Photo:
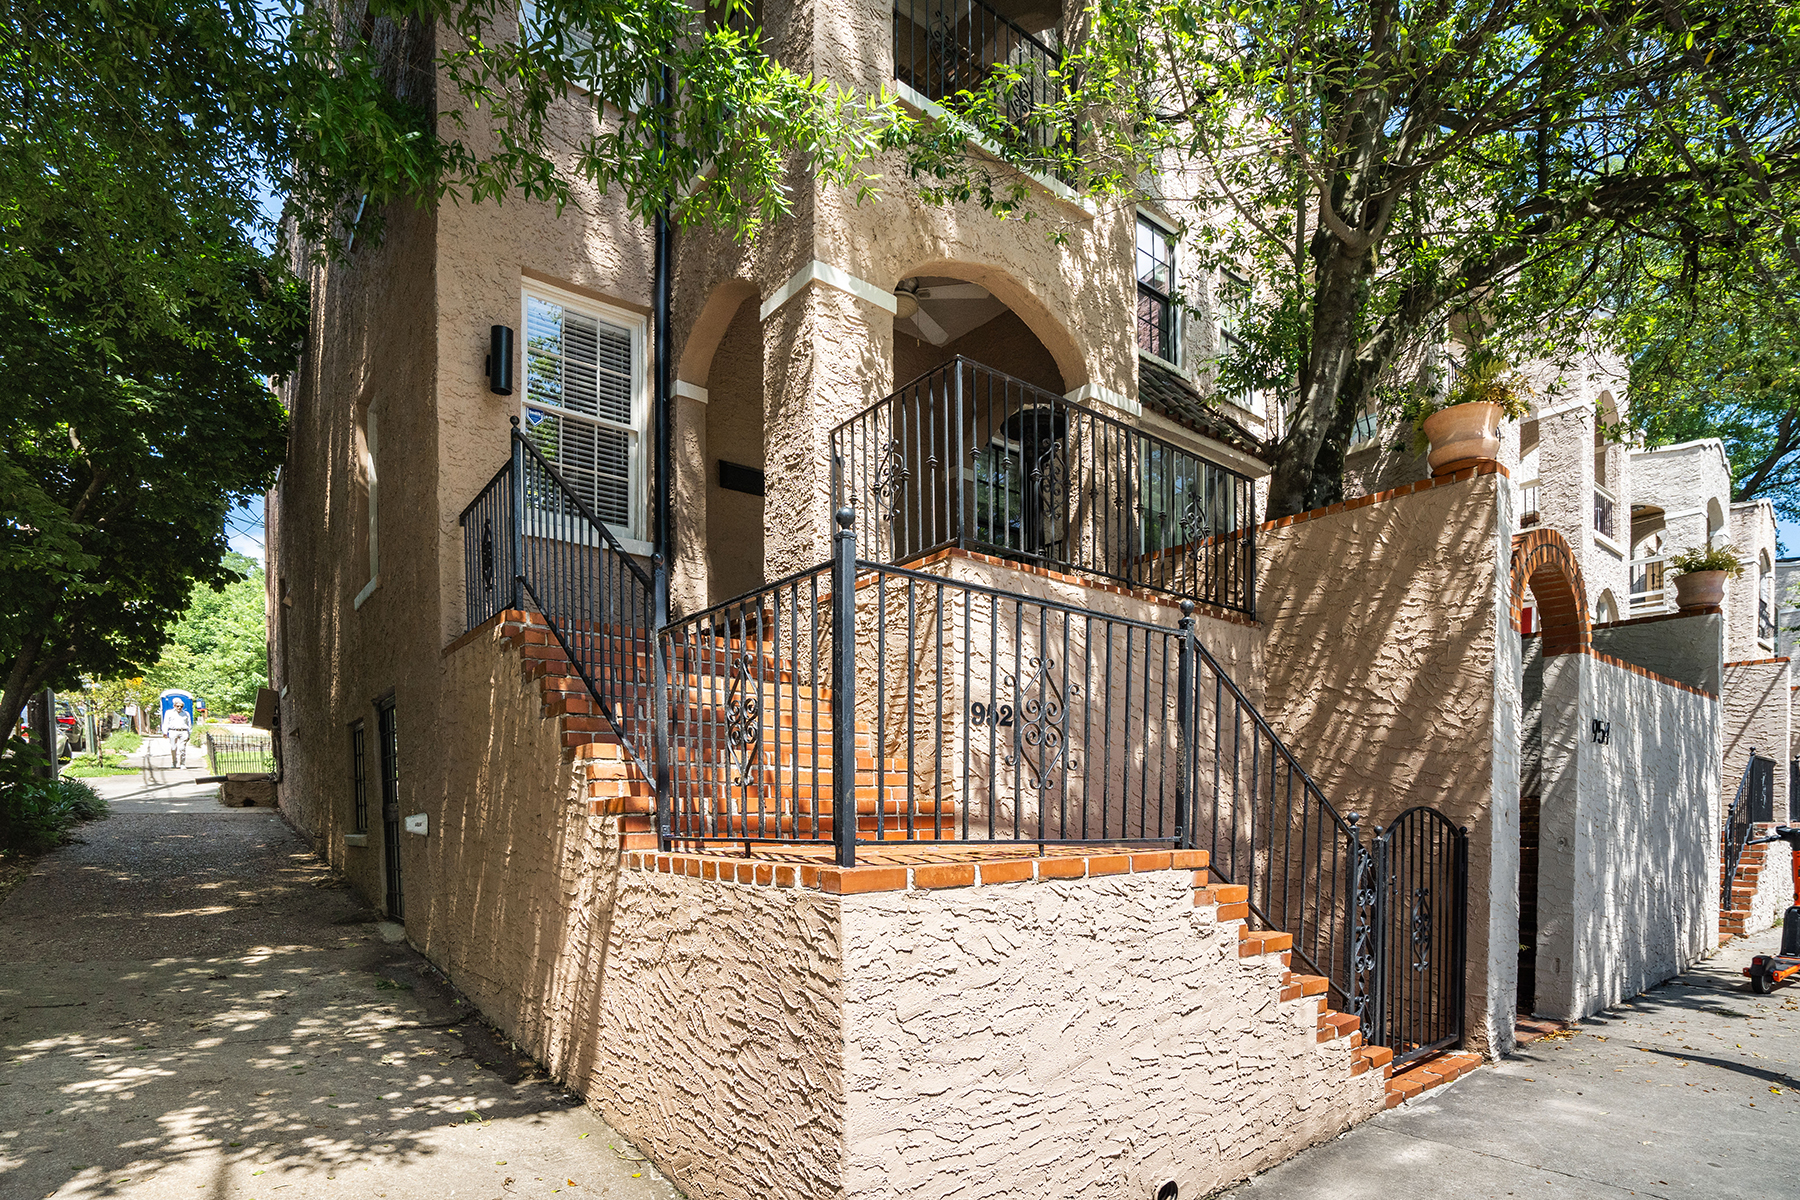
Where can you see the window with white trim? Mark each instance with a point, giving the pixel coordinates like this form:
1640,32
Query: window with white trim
1155,289
584,403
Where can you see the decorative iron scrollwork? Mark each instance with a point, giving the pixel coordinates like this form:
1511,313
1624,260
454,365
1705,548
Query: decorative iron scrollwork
487,554
1421,929
1362,950
743,724
890,476
1040,737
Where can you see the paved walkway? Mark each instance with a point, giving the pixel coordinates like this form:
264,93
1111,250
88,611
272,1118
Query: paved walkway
189,1008
1690,1090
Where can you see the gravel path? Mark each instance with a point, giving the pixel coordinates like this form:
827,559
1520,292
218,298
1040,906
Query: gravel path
1689,1090
192,1007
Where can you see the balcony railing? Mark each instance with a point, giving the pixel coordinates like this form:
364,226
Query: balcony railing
1649,581
943,47
1528,503
966,456
1603,512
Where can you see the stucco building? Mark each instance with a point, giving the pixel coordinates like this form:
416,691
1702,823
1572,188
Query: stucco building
831,694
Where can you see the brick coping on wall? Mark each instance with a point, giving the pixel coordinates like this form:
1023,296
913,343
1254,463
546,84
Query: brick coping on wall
893,876
1754,662
1614,661
1678,615
1423,485
1201,607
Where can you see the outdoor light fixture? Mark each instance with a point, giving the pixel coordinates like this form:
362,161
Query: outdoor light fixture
1602,732
499,360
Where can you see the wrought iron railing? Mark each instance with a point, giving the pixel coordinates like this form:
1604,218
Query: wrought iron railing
967,456
1755,794
1649,578
938,709
1529,499
531,542
229,753
1603,512
946,47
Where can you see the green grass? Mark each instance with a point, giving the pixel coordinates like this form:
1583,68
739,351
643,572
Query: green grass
83,766
122,741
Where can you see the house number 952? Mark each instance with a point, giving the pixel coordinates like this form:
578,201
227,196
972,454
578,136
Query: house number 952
991,714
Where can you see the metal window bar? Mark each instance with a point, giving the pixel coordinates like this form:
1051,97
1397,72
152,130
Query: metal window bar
1529,500
387,734
943,48
359,777
1648,580
1603,512
970,457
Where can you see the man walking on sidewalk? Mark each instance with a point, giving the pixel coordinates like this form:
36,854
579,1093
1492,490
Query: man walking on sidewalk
177,725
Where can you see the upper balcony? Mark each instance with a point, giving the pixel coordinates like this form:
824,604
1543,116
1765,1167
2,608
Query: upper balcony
946,47
967,456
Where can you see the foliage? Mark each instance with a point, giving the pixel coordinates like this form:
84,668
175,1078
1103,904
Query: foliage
37,814
143,313
88,766
1400,175
1712,558
123,741
218,648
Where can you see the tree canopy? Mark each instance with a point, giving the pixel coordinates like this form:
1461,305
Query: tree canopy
1388,170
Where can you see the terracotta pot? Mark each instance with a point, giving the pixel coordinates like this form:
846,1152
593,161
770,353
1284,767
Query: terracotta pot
1700,589
1463,435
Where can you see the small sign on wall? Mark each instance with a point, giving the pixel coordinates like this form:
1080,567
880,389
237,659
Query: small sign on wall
417,823
1602,732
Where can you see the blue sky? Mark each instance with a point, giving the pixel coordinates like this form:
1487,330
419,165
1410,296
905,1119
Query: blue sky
244,529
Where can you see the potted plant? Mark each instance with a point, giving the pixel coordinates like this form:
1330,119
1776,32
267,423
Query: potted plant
1463,429
1700,575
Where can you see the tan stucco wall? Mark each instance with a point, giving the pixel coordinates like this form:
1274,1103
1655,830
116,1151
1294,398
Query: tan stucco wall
733,521
1089,1038
1382,659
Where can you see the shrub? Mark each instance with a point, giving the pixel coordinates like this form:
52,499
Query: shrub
1716,558
36,814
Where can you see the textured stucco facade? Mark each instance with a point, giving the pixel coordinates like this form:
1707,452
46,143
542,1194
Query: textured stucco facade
1758,718
1397,699
1629,866
1683,492
1689,648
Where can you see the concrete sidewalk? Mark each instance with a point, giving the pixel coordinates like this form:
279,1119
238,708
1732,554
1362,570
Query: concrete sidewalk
190,1007
1691,1089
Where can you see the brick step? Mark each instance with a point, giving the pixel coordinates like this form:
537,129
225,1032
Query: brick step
1428,1073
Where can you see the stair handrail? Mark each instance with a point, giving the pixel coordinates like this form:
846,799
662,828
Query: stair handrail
1736,828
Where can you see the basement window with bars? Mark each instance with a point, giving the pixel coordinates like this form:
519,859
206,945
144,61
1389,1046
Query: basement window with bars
359,776
585,404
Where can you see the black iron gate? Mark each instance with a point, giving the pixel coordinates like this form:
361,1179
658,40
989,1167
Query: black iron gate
1420,866
390,805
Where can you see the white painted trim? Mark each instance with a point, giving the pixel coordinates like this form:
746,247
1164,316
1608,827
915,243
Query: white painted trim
368,590
822,272
1056,187
1607,544
637,548
1089,393
1219,452
690,391
1157,220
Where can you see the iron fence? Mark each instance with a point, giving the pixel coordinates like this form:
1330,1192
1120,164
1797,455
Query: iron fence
1755,794
531,542
239,753
946,48
971,457
1416,1001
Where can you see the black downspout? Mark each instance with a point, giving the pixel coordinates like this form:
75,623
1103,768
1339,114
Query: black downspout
664,527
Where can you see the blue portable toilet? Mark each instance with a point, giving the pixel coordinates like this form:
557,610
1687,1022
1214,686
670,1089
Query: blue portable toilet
188,701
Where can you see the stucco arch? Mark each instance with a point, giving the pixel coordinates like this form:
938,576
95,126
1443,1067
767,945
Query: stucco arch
1715,521
1543,561
1048,326
708,329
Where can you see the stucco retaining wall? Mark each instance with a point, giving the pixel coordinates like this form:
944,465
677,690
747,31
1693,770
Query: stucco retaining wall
1629,859
1686,648
1757,699
1775,884
1088,1038
1385,674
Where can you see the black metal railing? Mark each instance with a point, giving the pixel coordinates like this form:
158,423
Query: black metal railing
935,709
968,456
530,542
1755,796
234,753
943,48
1417,987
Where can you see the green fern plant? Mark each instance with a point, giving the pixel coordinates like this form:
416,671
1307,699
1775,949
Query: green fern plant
1714,558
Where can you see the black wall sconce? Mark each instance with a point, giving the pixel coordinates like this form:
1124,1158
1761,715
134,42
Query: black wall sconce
1602,732
500,360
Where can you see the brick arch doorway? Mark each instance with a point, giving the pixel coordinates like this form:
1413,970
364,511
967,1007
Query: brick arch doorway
1550,616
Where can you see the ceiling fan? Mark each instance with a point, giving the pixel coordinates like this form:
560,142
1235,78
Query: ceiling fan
923,305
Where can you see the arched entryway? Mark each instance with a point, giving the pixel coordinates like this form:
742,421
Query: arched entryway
1551,618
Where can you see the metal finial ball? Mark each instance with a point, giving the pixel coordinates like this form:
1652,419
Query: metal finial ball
515,420
846,517
1187,608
